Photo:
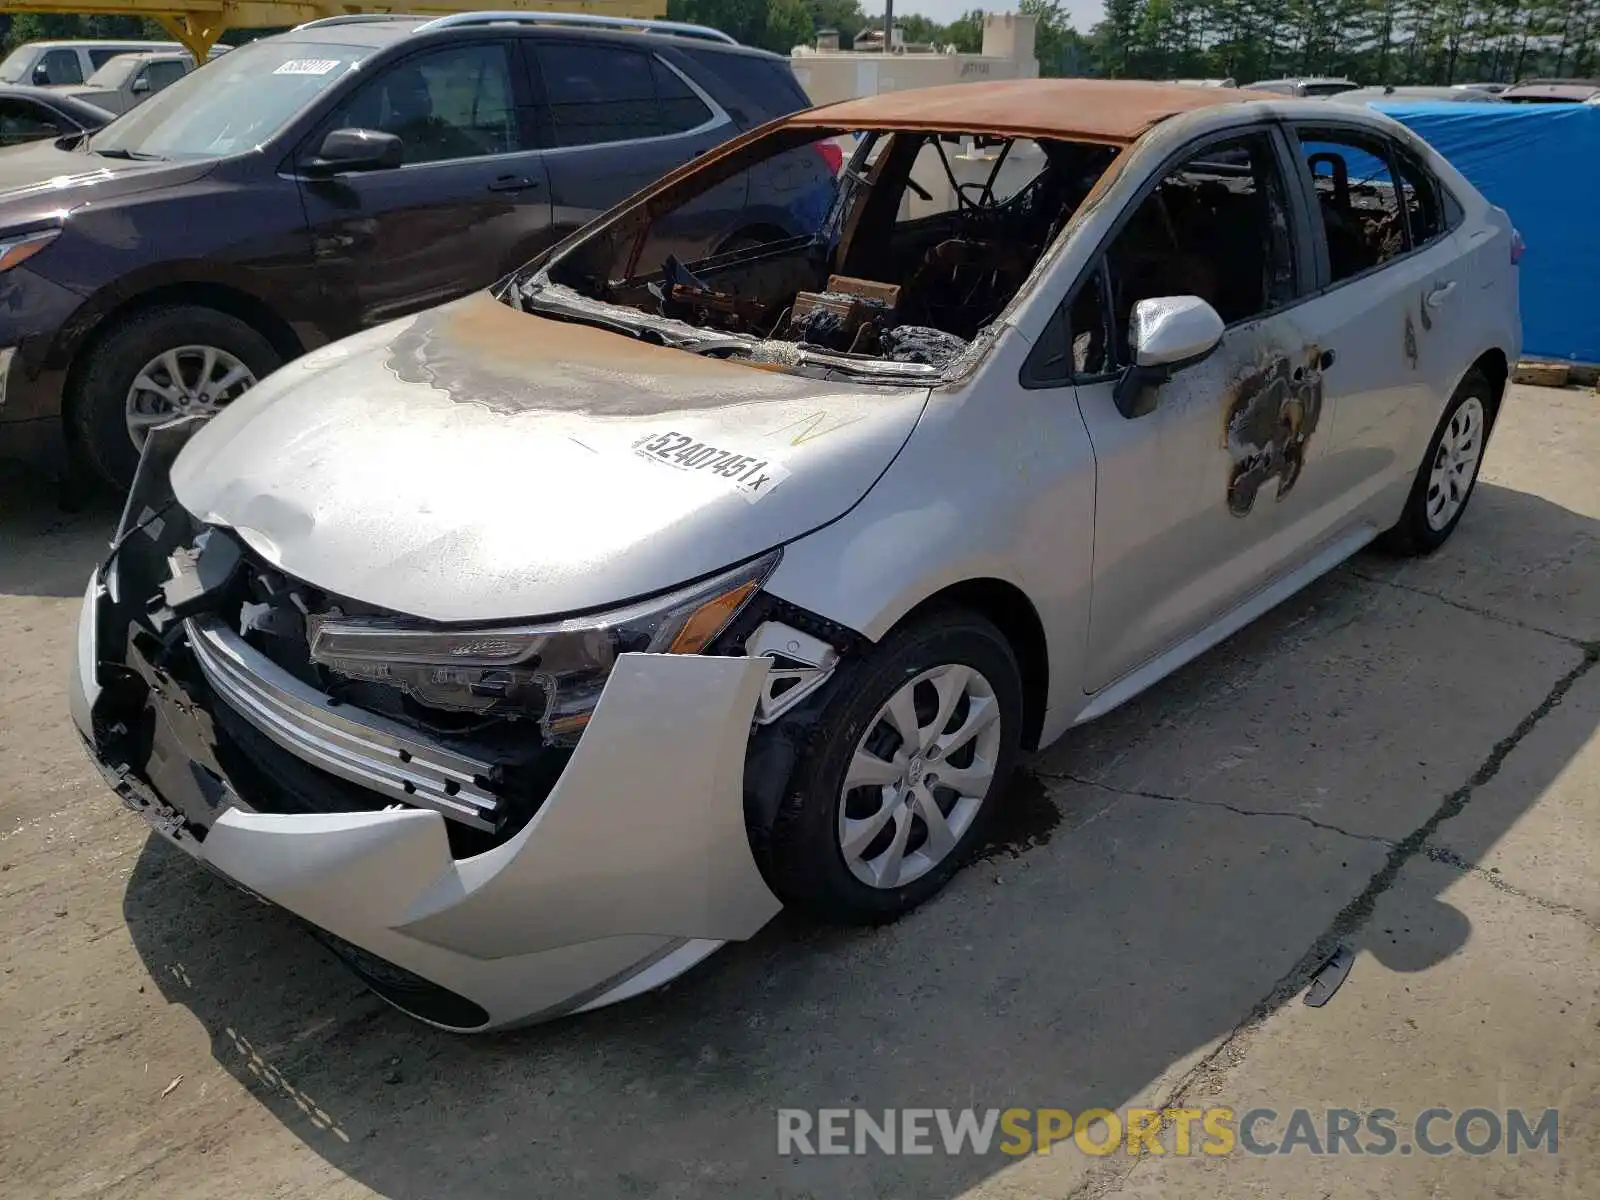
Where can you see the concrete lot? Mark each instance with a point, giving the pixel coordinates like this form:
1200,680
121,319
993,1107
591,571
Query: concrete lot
1403,758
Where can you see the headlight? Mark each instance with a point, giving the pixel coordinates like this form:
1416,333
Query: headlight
554,672
18,248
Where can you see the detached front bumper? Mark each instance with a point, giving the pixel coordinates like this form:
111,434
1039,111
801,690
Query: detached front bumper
636,866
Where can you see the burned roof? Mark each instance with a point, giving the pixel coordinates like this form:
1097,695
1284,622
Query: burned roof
1113,111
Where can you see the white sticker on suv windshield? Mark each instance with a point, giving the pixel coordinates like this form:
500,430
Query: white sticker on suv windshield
751,474
307,66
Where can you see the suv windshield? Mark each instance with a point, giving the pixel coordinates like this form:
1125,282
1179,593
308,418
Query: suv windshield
233,104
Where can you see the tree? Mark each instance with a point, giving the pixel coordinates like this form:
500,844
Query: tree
788,25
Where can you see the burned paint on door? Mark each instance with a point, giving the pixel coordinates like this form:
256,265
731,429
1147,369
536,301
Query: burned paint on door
1271,416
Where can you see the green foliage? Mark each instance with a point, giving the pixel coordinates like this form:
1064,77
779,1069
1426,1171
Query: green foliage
1371,41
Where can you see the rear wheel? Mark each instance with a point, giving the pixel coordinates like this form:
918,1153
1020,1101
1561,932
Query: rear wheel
155,366
1449,471
902,775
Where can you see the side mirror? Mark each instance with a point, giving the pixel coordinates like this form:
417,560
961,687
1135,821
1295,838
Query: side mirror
1167,334
141,84
41,75
356,150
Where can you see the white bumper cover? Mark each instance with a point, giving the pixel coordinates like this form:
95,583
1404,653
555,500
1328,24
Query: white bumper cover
636,866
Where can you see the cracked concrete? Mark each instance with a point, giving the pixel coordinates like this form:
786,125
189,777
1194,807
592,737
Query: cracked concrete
1402,759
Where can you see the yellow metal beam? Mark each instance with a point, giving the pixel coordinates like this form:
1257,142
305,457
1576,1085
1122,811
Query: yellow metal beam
198,24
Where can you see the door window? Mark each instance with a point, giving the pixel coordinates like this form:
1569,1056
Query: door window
59,66
99,58
1356,200
447,104
1216,227
1419,196
22,121
598,94
163,74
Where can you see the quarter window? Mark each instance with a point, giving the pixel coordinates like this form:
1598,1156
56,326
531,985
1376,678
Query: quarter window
598,94
1355,192
448,104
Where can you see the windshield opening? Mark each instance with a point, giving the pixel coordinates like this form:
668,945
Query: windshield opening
903,254
232,104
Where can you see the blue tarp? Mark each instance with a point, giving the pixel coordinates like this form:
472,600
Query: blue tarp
1541,163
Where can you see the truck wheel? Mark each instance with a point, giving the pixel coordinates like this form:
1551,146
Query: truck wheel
160,364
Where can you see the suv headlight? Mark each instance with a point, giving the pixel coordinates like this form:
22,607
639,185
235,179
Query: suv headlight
18,248
553,672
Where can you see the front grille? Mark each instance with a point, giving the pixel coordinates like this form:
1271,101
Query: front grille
361,747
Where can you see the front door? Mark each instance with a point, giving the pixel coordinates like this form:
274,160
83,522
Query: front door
1193,487
470,201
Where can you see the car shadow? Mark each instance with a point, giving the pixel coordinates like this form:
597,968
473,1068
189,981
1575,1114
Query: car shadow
45,549
1118,925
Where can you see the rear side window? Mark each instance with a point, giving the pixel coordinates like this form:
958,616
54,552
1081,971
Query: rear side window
1356,199
1419,197
598,94
99,58
762,87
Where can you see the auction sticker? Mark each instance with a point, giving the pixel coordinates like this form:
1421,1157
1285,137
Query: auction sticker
752,475
307,66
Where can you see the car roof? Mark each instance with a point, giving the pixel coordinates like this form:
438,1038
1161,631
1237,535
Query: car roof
1112,111
1554,89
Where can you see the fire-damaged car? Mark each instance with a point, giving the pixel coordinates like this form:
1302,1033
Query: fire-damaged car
533,647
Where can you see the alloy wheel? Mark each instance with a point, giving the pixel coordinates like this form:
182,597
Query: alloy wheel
183,381
919,776
1455,465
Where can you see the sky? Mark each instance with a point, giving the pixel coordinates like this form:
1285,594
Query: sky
1084,13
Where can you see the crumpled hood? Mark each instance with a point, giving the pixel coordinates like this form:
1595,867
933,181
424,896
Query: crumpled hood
478,463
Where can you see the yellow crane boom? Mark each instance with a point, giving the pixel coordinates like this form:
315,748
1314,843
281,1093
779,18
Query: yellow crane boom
199,23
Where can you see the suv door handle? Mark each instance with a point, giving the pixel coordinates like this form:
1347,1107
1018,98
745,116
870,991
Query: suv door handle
512,183
1435,298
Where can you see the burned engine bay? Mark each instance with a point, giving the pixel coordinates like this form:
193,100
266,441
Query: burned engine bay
916,246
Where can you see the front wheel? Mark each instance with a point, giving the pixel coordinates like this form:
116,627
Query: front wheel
907,763
1448,473
157,365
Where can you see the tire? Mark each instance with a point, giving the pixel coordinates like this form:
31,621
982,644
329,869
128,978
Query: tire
1425,524
803,853
100,406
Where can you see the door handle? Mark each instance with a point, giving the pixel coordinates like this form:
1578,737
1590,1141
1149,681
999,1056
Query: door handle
511,183
1435,298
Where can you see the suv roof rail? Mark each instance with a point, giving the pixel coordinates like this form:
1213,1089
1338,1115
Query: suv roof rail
583,20
351,19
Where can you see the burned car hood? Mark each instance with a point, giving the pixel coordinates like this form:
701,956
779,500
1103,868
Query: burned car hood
479,463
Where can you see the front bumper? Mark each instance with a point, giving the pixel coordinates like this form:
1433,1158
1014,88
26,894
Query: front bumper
636,866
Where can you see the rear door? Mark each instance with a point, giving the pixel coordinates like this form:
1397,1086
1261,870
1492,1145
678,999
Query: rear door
618,117
1387,315
470,201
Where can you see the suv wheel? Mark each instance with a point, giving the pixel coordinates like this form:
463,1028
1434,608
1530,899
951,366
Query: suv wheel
908,760
157,365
